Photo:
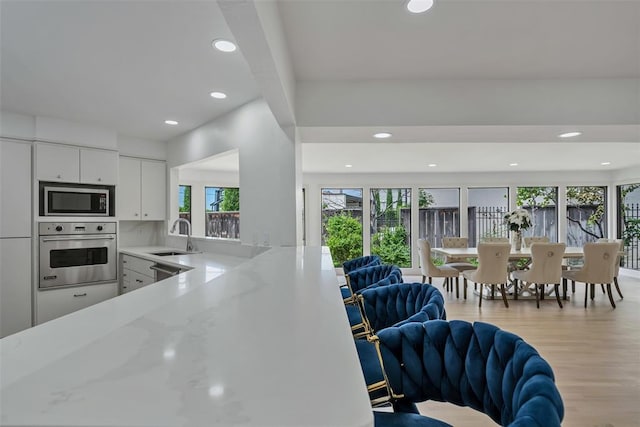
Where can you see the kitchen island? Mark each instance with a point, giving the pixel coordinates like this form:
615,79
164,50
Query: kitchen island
263,343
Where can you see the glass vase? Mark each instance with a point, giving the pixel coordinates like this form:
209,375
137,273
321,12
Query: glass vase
517,240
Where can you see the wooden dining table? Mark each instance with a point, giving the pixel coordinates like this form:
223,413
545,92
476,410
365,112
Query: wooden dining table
514,290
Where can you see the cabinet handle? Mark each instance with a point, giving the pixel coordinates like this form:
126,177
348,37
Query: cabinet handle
136,214
137,280
99,179
146,214
59,176
80,295
124,261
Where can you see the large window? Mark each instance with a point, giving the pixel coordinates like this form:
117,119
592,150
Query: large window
438,214
184,206
222,212
629,224
541,202
487,207
342,223
390,226
586,214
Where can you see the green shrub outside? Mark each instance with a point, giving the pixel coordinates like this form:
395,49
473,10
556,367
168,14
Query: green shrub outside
390,245
344,238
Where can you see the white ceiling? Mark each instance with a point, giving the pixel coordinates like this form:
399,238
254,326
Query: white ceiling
124,65
504,39
129,65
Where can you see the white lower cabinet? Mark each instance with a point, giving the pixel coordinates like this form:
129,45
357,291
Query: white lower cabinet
15,285
136,273
53,303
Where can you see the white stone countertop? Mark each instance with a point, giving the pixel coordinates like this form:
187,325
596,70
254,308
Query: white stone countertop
232,342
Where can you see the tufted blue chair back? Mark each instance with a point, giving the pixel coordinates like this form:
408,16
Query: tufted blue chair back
476,365
367,276
364,261
397,304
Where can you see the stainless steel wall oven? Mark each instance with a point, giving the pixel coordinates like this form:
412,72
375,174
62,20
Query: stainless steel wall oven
77,253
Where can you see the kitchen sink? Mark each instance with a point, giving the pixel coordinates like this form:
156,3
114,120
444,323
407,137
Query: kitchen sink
174,252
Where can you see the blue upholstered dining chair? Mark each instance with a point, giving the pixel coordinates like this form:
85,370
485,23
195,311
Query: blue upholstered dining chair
476,365
354,264
396,304
361,278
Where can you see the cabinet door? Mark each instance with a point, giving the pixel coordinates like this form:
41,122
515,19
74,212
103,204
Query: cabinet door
153,190
134,280
98,167
58,302
57,163
15,188
15,285
128,189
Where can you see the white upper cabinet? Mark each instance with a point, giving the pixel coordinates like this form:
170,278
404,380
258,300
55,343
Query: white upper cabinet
98,167
15,187
63,163
57,163
141,190
153,190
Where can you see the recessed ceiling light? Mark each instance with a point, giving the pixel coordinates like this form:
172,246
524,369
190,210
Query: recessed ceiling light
223,45
419,6
348,166
382,135
513,164
171,122
605,163
432,165
569,134
218,95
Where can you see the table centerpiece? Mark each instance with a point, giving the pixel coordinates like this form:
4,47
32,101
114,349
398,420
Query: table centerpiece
518,220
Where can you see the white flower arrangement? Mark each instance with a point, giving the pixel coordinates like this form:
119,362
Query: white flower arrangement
518,220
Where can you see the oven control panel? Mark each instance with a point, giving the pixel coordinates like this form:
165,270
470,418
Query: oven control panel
59,228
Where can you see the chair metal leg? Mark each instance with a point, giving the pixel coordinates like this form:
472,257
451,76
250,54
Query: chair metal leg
573,287
503,290
464,289
564,289
602,287
423,278
613,304
481,289
615,282
493,292
537,296
592,288
556,287
457,287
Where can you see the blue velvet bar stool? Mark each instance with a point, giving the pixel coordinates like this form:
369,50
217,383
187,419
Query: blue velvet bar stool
476,365
396,304
361,278
354,308
354,264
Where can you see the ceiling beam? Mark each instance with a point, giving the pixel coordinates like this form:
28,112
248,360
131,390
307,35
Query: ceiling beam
258,33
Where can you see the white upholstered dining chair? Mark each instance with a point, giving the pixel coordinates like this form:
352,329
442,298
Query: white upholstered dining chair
617,270
430,270
599,267
493,261
546,268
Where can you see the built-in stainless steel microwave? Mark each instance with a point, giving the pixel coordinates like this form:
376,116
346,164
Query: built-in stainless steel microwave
76,201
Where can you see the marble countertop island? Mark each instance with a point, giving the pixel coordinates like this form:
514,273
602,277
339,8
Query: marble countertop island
232,342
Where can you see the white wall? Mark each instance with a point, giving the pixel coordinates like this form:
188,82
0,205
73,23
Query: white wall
143,148
267,159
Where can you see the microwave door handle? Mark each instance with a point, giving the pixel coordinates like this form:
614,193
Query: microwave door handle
61,239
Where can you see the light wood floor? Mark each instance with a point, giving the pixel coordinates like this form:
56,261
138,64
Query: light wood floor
594,352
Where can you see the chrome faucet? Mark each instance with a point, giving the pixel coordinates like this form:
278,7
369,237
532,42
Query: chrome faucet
173,230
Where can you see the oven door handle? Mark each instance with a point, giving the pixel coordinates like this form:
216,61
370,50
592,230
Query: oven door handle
66,239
